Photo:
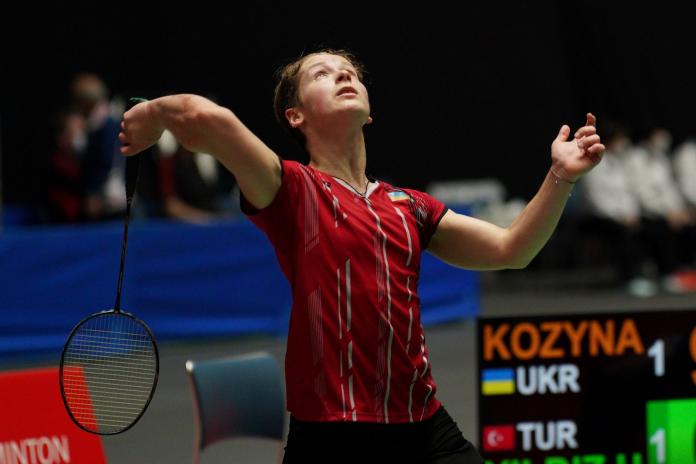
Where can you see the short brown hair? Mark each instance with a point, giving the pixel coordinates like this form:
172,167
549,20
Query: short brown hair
287,90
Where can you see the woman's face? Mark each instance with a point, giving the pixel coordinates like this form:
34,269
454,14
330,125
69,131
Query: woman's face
330,91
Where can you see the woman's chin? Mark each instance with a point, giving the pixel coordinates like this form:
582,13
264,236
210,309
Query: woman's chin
351,113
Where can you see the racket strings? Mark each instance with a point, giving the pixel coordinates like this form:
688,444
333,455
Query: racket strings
109,372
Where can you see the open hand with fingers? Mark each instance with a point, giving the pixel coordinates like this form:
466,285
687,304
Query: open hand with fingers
571,159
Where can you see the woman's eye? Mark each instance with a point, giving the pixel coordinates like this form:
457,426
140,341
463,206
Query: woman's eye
320,74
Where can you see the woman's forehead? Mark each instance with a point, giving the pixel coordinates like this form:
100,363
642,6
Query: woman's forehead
329,58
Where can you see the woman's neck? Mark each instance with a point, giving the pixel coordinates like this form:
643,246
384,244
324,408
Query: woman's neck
341,157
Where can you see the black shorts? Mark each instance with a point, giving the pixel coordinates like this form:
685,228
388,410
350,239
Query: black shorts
436,440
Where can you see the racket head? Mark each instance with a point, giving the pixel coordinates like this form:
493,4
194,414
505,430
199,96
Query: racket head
108,372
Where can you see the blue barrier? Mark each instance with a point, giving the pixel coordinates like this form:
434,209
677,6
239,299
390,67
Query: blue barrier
183,280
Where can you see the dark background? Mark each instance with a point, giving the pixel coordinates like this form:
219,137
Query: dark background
465,90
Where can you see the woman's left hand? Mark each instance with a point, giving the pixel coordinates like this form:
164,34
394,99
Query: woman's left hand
571,159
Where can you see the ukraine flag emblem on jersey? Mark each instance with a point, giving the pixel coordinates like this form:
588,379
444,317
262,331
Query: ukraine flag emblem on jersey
497,381
398,196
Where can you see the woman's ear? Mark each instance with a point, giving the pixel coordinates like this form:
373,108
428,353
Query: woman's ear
369,120
294,117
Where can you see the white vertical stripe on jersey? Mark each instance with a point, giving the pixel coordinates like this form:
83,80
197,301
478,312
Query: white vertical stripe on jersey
410,316
386,396
348,315
410,394
350,354
391,328
338,299
425,358
408,235
340,354
350,379
350,343
352,401
427,397
343,399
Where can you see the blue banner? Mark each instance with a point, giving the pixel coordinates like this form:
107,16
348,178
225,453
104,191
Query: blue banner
183,280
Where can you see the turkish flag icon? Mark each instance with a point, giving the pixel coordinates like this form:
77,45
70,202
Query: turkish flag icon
499,438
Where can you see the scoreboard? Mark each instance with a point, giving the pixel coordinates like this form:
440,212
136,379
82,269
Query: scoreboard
588,389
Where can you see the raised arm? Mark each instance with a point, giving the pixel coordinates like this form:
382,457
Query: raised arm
475,244
203,126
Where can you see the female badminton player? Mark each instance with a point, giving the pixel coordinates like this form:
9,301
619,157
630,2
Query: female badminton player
359,382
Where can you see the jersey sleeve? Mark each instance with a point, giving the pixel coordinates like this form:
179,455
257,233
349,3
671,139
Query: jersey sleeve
429,211
276,219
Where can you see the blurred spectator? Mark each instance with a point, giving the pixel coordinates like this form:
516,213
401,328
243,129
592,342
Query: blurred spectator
669,228
103,166
685,170
193,186
65,181
614,212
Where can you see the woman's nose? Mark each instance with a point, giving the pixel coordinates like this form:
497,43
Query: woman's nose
343,75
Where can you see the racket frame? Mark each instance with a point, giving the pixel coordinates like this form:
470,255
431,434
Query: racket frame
62,363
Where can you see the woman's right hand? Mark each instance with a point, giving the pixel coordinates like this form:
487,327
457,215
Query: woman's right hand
140,129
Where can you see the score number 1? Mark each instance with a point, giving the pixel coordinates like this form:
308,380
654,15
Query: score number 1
657,352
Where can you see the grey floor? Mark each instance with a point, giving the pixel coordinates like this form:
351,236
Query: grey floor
165,433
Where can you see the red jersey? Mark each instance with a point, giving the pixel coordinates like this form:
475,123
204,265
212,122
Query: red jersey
356,348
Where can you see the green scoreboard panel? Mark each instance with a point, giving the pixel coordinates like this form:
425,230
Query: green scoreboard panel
588,389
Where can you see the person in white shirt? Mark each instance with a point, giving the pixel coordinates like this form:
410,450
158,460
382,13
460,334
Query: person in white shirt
613,211
668,225
685,170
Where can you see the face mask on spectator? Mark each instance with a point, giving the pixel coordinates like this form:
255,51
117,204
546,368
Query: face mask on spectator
79,143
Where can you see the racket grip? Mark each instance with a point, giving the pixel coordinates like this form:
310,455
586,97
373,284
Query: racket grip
132,162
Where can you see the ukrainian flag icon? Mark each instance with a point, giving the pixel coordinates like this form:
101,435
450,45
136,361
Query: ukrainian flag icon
497,381
398,196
